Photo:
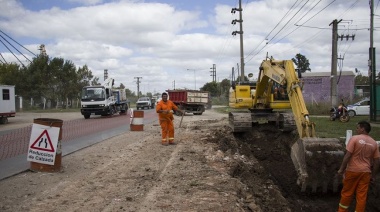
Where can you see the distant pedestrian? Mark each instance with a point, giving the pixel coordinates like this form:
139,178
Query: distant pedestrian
359,167
165,109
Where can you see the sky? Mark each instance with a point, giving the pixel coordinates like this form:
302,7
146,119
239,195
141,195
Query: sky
169,44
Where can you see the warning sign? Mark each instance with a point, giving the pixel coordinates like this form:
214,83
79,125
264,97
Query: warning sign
43,144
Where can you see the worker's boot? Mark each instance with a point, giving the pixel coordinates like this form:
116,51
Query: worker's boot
164,142
171,141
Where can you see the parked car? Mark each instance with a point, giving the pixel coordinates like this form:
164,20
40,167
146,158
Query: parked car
359,108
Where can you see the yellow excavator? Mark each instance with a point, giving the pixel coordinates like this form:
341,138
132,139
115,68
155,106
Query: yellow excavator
269,100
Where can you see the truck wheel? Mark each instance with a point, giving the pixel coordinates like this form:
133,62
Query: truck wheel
112,111
3,120
87,116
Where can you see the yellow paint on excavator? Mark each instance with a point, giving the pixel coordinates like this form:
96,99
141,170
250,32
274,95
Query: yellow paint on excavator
278,89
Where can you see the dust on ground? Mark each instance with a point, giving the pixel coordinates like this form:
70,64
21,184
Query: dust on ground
210,169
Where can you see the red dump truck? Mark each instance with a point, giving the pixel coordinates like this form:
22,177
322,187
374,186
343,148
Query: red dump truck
191,101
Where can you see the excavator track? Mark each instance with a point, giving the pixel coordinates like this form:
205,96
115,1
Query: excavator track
244,121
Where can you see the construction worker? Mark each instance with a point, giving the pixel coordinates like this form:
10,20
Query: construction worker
165,109
359,167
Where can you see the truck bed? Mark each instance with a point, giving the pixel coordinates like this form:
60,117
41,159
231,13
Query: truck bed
188,96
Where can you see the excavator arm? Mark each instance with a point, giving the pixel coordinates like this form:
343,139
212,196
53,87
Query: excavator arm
278,90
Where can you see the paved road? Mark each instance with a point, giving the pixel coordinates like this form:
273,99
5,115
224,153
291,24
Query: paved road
78,133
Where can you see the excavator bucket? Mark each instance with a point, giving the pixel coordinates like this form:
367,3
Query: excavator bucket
317,161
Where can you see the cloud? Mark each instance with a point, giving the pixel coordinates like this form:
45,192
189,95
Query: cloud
160,41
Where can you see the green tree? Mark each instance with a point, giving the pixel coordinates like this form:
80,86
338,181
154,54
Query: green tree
361,80
211,87
40,77
302,63
64,82
225,87
13,74
129,93
84,77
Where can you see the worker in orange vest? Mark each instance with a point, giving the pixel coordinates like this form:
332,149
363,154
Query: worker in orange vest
165,109
362,154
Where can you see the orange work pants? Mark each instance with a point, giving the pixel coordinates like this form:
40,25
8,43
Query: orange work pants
354,182
167,130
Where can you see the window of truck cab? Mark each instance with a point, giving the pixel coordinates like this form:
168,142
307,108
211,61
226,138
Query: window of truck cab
93,93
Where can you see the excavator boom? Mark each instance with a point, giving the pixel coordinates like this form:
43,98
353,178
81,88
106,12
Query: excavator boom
278,89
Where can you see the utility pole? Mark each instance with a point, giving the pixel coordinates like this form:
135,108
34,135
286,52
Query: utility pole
174,84
240,20
372,71
213,72
138,86
233,75
105,74
334,60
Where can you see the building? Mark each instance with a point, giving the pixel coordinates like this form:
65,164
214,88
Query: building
317,86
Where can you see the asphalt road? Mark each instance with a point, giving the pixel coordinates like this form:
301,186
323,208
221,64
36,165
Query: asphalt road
78,133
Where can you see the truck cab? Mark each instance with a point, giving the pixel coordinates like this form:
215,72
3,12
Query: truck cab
103,100
144,102
96,100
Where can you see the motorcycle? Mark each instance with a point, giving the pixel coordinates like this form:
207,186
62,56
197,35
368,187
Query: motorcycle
340,113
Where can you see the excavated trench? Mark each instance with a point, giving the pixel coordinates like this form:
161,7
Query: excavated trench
272,178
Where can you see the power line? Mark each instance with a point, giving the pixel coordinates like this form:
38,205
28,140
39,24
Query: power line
10,44
266,37
18,43
12,52
288,22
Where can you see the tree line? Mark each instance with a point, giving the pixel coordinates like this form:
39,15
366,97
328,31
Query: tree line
58,80
47,79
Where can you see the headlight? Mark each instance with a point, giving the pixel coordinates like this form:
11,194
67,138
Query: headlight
84,105
101,105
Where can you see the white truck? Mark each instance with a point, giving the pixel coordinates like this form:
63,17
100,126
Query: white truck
103,100
144,102
7,103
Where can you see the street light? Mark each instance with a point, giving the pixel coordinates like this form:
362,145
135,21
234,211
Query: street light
195,79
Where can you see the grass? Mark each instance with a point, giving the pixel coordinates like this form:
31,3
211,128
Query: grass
335,129
328,129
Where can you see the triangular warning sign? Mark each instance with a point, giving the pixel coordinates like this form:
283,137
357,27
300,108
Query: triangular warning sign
43,142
